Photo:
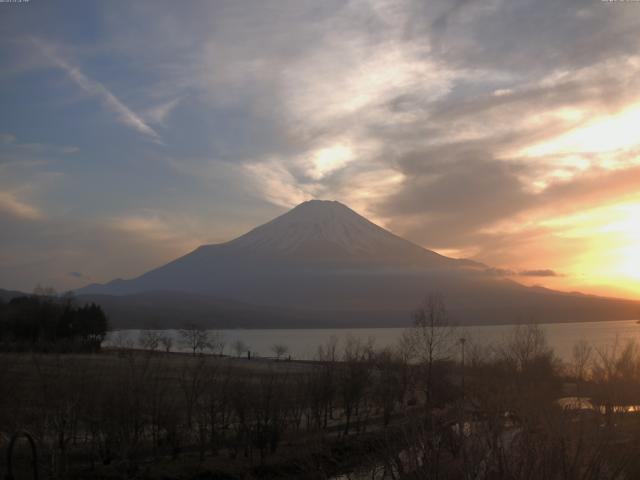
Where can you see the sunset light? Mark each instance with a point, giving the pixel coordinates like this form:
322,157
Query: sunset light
328,160
607,133
609,256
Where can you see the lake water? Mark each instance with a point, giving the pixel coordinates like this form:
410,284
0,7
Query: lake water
303,343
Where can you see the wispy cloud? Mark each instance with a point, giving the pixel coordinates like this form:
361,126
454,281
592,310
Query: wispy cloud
159,113
11,148
124,114
7,138
78,275
278,185
153,228
13,206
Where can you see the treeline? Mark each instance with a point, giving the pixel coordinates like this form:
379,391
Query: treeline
46,322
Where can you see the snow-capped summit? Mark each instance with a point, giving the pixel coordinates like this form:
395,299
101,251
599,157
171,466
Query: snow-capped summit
328,230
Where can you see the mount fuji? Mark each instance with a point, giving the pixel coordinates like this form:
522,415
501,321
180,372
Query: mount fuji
322,264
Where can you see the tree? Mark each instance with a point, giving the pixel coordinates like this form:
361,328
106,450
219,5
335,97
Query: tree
149,340
120,340
216,343
354,378
279,349
240,347
167,342
45,321
194,337
527,348
93,324
581,356
41,291
431,338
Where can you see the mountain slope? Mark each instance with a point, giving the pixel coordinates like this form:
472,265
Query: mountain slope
315,239
322,262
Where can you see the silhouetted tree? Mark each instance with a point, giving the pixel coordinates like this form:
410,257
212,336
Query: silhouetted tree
431,338
279,349
194,338
45,321
240,347
149,340
167,342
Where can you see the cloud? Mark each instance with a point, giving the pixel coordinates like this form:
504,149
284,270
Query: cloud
7,138
49,251
507,272
278,185
538,273
158,114
152,228
94,88
10,204
14,151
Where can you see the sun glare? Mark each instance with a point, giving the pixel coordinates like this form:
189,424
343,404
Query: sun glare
612,252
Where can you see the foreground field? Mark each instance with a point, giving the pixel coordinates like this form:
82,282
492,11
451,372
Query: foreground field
138,413
351,414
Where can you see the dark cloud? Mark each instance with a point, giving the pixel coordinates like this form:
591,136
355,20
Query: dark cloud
455,191
500,272
525,38
507,272
447,205
538,273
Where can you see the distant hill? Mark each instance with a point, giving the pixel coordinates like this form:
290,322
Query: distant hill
7,295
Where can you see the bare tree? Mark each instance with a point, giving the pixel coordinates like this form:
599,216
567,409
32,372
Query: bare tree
121,340
616,377
149,340
325,384
526,345
581,356
431,338
192,382
279,349
354,378
216,343
194,337
42,291
167,342
240,347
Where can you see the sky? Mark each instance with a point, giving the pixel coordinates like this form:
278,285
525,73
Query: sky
503,131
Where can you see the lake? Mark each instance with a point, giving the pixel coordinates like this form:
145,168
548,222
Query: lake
303,343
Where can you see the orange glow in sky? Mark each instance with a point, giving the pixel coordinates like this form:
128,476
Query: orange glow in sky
609,260
594,248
